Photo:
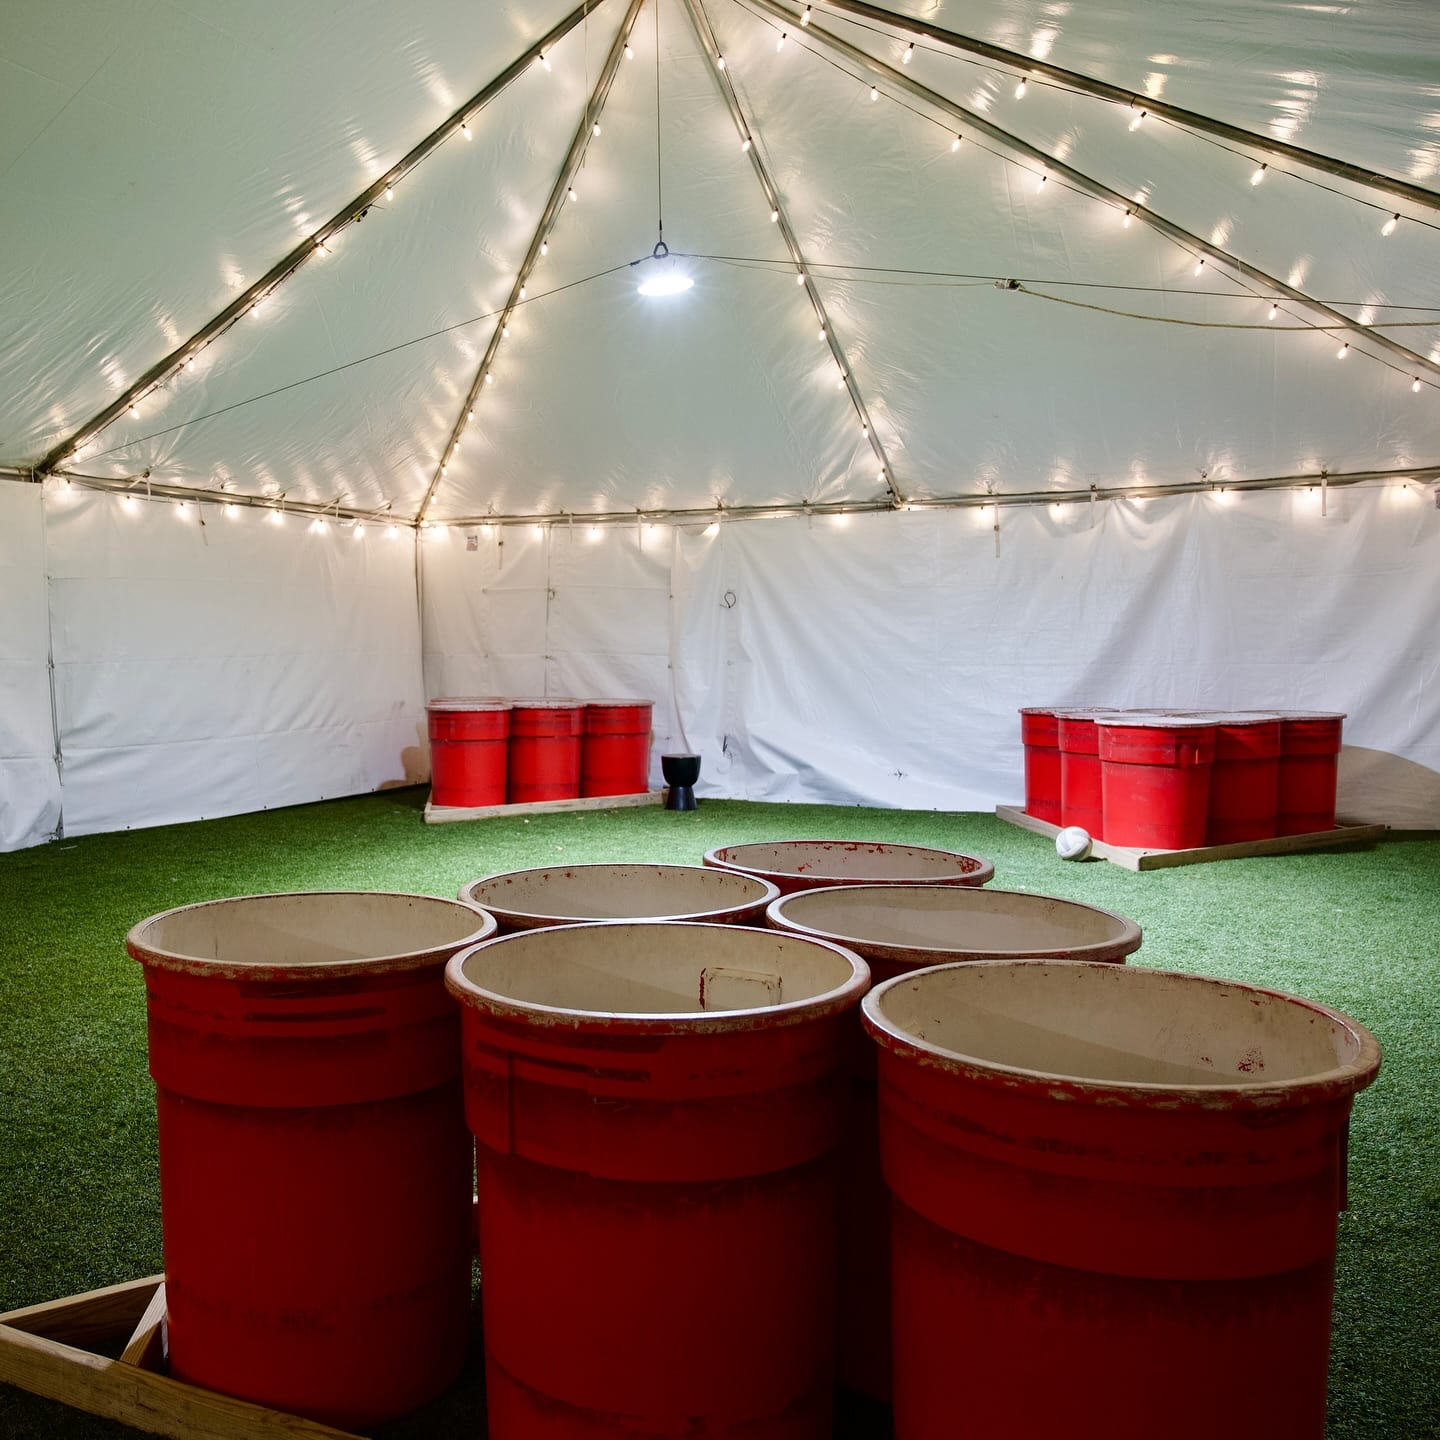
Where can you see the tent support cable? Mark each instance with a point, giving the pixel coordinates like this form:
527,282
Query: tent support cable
1412,362
748,135
574,157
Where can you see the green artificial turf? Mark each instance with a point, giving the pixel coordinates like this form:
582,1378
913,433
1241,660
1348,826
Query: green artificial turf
79,1205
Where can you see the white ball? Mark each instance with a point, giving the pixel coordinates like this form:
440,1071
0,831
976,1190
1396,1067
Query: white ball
1073,843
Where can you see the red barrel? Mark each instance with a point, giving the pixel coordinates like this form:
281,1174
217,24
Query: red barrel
1116,1195
1040,734
1081,794
897,929
615,751
314,1165
468,741
818,864
656,1108
1155,779
1309,767
1245,776
544,756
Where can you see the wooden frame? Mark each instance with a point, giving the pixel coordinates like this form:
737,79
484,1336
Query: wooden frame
46,1349
443,814
1346,832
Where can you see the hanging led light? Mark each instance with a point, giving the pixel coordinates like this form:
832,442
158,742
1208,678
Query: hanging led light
1416,385
570,194
874,94
629,51
1138,119
595,128
1040,183
1021,87
522,292
1258,176
544,247
1129,216
780,43
909,54
805,18
189,362
1343,351
1200,265
545,60
774,217
800,278
666,278
955,144
745,146
1274,310
720,62
1388,228
465,129
389,192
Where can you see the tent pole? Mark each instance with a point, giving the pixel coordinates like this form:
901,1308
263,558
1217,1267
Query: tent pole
352,211
1411,362
748,133
1190,119
573,158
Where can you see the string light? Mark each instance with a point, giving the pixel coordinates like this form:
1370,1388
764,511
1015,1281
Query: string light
358,532
1139,116
570,195
277,517
544,247
1020,88
720,62
822,332
1258,176
232,511
745,146
522,292
392,532
595,128
874,94
1274,310
489,378
805,18
780,43
1343,351
1200,265
955,144
629,51
1129,216
713,528
1040,183
1416,385
774,217
909,54
1388,228
465,129
800,277
189,362
545,60
389,192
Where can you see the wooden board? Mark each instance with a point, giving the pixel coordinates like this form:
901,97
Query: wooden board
1346,832
443,814
41,1351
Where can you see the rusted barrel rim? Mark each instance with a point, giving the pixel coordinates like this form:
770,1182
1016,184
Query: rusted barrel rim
767,892
1048,1086
983,872
1125,942
148,954
697,1022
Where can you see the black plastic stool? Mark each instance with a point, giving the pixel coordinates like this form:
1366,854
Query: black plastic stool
680,772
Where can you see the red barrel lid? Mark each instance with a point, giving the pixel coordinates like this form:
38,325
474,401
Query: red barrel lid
543,704
467,702
1134,720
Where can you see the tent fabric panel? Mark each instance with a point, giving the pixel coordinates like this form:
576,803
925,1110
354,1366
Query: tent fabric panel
232,666
29,782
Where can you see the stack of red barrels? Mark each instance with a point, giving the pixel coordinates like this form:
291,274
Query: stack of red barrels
489,751
1181,779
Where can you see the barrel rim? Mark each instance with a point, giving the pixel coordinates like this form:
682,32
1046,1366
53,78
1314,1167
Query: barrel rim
153,957
1125,943
611,704
697,1022
447,704
768,894
1132,720
533,703
1055,1086
983,872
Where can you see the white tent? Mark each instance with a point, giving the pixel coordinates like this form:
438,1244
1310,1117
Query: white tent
1037,351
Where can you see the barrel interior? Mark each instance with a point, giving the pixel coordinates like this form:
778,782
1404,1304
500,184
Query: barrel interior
848,860
617,892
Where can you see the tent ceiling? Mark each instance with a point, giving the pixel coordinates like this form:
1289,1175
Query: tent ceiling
158,158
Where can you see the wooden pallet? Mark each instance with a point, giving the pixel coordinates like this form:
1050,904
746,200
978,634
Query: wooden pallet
444,814
51,1350
1346,832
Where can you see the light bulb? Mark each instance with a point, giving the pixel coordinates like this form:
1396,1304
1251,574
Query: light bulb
1020,88
805,18
955,144
780,43
595,128
909,54
774,217
840,383
389,192
745,146
713,528
1258,176
1044,176
544,247
180,511
594,532
357,533
881,476
277,517
874,93
1343,351
134,411
1135,122
444,467
522,292
822,332
1388,228
666,280
629,51
128,501
720,61
571,196
545,60
1129,216
190,362
489,378
470,413
392,532
1199,264
465,129
1274,311
232,511
800,278
505,331
1416,385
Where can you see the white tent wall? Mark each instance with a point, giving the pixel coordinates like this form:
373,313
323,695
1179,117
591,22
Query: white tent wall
29,782
214,668
880,659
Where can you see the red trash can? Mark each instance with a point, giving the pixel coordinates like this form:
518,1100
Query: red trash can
468,742
1082,800
1155,779
544,755
1310,742
1115,1195
1245,776
615,751
897,929
1040,734
314,1165
656,1109
818,864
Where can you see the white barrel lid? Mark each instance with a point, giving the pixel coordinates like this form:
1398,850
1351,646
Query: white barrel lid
612,704
1133,721
466,702
533,703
